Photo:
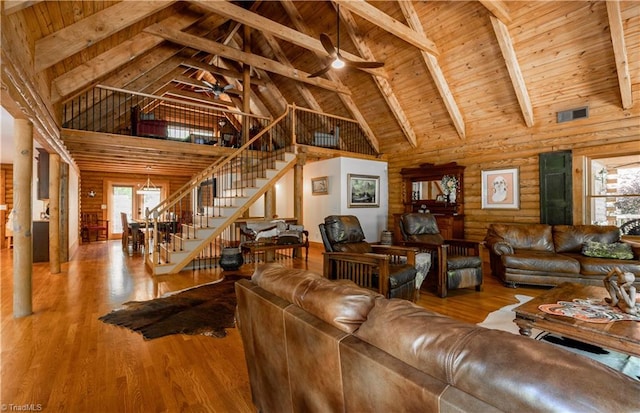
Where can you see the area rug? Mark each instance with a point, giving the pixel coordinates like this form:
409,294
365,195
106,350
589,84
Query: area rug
502,319
208,310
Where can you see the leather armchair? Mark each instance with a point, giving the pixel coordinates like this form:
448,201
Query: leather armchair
456,263
388,269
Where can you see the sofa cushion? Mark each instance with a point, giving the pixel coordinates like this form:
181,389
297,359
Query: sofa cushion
617,250
343,228
419,227
400,274
571,238
340,303
602,266
536,237
541,261
456,262
513,375
361,247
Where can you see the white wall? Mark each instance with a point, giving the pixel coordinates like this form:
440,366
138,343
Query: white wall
284,199
317,207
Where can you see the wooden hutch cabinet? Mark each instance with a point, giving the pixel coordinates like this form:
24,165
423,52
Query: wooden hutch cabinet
422,189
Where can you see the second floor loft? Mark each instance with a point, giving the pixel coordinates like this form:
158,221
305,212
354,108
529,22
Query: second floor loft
99,124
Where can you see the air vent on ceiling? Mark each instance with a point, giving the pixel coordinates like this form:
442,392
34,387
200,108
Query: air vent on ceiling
573,114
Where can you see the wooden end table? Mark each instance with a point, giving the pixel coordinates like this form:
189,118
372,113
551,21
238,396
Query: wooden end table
269,248
623,336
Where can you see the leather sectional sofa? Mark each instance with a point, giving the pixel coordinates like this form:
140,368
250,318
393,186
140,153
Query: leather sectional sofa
540,254
315,345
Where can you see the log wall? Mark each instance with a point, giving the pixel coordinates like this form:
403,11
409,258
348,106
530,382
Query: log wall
610,132
97,181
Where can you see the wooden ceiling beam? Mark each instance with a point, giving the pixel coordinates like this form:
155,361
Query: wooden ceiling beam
433,65
13,6
82,76
348,102
498,8
193,97
389,24
511,60
383,84
263,24
269,65
196,64
72,39
308,97
620,53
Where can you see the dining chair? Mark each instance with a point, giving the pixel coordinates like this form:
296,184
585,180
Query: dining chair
91,224
129,236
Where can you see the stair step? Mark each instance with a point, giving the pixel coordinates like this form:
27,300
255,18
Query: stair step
194,237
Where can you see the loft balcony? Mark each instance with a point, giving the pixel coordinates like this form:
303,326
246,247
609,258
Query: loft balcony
110,111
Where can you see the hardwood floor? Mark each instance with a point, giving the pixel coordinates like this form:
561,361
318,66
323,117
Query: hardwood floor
62,358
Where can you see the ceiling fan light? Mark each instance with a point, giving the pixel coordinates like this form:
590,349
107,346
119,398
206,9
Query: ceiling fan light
338,63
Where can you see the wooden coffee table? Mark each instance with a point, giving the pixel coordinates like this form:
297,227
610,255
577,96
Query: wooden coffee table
623,336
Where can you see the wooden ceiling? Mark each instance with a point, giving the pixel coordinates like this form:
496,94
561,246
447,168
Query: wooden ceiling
450,66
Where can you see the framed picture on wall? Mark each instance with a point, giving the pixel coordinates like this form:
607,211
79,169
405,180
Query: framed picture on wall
363,191
501,189
320,186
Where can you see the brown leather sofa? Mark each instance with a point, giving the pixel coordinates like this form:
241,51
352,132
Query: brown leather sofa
316,345
541,254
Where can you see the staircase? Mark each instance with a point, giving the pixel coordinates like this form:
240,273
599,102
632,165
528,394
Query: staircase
193,224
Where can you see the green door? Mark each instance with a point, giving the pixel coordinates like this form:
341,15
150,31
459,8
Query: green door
555,188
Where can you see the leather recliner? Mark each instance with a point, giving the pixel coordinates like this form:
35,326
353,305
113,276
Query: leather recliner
456,263
385,268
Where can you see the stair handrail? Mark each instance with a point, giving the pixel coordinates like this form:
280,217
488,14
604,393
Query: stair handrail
163,206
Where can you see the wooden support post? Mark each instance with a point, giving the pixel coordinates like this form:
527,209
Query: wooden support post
54,213
270,203
22,218
298,185
246,84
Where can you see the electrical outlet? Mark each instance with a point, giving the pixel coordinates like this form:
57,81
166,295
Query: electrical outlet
103,206
3,207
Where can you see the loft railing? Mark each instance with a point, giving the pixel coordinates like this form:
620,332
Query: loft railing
331,132
110,110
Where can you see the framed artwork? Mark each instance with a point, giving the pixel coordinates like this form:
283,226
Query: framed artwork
363,191
501,189
320,186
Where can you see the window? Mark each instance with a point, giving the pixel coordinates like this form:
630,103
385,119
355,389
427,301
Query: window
613,192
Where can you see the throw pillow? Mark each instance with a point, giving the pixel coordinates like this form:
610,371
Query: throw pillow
618,250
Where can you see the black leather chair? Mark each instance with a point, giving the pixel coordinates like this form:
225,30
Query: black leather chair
456,263
388,269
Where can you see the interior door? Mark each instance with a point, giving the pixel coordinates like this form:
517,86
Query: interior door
556,188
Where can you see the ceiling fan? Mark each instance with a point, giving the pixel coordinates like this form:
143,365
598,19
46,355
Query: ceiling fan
337,60
216,89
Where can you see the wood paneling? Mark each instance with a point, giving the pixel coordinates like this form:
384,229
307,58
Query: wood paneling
6,198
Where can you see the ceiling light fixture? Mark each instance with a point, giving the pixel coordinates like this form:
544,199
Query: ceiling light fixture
148,188
338,63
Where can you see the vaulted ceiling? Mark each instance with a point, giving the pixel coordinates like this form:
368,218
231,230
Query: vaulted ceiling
450,66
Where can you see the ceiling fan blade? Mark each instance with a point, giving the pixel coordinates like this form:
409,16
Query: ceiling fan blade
211,85
363,65
229,86
327,44
321,71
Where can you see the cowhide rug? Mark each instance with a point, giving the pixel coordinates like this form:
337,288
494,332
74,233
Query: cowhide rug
207,309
